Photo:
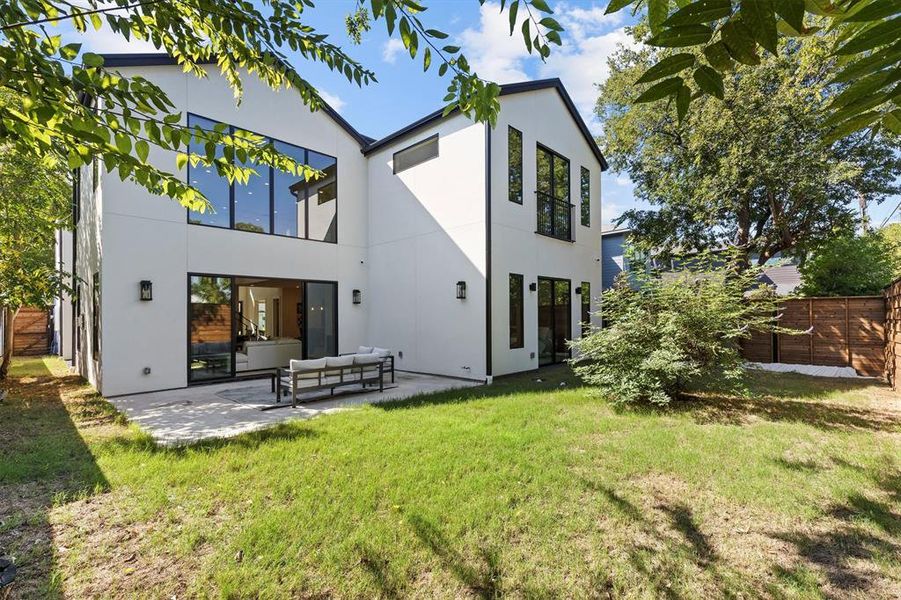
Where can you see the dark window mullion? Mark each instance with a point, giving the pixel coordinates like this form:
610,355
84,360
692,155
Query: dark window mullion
231,190
306,198
271,198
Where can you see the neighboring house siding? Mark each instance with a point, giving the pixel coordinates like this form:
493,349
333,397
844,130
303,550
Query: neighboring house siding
613,258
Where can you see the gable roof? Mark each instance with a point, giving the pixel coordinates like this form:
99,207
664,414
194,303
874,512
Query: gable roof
368,144
158,59
506,90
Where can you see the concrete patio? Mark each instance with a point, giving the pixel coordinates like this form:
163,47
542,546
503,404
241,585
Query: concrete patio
187,415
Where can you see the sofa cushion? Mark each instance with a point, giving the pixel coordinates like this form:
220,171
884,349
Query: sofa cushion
366,359
307,365
382,352
364,350
337,362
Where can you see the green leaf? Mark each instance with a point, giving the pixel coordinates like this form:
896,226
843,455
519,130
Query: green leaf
683,99
874,62
760,17
514,8
181,159
793,13
882,33
616,5
451,49
853,125
718,56
879,9
96,21
740,42
702,11
142,149
427,59
551,24
92,60
892,121
657,11
665,88
123,143
709,81
438,35
668,66
542,6
682,36
526,35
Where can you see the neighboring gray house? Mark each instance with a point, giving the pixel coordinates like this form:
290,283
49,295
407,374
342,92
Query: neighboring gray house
785,277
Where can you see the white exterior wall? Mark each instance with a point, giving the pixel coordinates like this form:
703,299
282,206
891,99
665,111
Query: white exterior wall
89,261
62,308
427,232
542,117
147,237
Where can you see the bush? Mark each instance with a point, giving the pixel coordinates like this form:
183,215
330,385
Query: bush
850,266
673,331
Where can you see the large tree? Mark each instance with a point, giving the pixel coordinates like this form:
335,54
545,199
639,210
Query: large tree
34,204
725,32
75,110
755,169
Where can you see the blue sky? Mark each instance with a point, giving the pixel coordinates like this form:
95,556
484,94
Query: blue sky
404,93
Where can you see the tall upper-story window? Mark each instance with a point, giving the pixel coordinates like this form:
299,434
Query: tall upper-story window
517,336
585,313
554,207
585,195
272,201
514,165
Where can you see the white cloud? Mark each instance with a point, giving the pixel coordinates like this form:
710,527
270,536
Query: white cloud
391,49
334,101
623,181
107,41
492,52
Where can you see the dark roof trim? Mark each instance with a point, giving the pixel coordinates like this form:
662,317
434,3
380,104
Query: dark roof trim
506,89
160,59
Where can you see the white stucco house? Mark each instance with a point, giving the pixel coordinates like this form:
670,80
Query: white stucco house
469,251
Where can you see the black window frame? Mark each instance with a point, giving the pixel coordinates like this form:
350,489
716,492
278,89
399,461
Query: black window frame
421,142
565,203
517,313
517,199
231,191
585,308
95,315
585,197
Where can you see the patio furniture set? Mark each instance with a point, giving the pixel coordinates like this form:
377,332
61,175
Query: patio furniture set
366,367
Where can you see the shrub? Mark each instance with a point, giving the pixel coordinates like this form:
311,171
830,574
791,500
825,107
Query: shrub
673,331
850,266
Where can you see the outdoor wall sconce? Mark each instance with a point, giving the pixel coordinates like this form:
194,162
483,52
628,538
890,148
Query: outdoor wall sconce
461,290
146,290
533,286
357,297
579,291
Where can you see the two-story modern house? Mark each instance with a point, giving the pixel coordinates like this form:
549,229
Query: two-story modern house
469,251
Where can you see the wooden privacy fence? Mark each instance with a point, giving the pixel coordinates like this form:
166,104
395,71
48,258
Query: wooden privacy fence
893,332
32,332
845,331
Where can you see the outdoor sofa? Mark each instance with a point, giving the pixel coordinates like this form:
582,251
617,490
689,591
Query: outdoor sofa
331,372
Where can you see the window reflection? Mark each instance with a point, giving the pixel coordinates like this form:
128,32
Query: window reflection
208,181
322,199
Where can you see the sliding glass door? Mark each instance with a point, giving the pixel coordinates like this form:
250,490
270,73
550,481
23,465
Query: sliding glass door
554,320
210,328
240,325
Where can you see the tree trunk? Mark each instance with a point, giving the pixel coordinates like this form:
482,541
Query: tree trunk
9,321
864,217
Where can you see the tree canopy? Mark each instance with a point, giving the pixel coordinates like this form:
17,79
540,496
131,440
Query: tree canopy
75,110
726,33
848,265
755,169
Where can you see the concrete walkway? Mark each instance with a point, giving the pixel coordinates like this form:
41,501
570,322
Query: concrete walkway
187,415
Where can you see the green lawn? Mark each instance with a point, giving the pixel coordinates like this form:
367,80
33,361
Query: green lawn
522,488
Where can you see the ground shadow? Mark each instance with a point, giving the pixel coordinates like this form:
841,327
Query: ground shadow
484,580
43,461
546,379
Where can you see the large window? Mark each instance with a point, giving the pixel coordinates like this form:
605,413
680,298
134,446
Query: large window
554,208
416,154
516,311
95,316
586,307
514,162
554,314
272,201
585,195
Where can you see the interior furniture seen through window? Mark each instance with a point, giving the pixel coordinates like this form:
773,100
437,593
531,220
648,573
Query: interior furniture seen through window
514,165
554,320
585,196
554,207
416,154
272,201
516,311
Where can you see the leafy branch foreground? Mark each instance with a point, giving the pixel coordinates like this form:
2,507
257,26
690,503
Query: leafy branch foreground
666,333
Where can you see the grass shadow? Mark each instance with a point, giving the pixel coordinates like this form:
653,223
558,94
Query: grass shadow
43,461
546,379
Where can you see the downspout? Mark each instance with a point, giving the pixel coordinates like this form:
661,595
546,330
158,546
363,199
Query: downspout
488,251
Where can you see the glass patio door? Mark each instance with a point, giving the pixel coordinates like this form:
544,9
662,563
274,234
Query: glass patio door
321,319
211,328
554,320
